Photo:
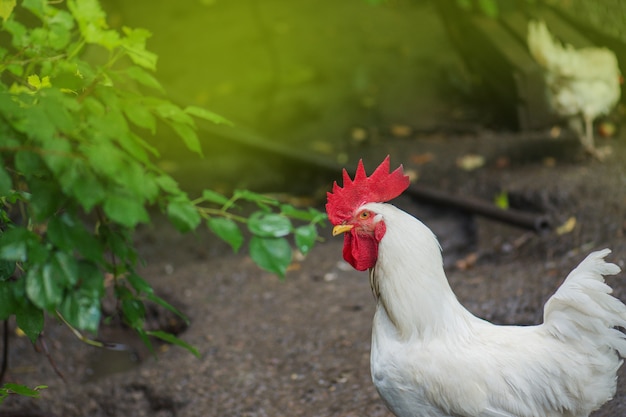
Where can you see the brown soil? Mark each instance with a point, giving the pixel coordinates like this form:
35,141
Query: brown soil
300,347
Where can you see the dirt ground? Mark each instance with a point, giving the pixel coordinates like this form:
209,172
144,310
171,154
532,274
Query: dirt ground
300,347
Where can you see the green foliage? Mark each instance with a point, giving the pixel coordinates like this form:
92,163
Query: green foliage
78,174
489,8
9,389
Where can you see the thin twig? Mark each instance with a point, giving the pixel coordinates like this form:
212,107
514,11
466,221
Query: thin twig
46,351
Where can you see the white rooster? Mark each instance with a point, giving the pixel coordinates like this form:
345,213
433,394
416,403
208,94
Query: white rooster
432,358
582,83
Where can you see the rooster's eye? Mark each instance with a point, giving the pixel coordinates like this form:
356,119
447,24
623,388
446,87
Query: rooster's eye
364,215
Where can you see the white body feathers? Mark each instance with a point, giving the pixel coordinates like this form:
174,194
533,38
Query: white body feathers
431,357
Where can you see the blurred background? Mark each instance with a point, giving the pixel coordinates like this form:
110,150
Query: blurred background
322,80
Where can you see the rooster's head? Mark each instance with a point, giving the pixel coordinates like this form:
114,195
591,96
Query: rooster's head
363,228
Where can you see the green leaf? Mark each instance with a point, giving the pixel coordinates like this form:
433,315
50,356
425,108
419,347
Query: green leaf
134,144
138,183
170,338
8,303
61,25
305,237
13,250
44,288
205,114
227,230
69,234
57,155
14,244
189,136
143,77
23,390
502,200
81,312
81,307
111,125
29,164
269,224
145,339
183,214
5,182
46,198
80,182
64,269
271,254
168,184
125,210
118,241
254,197
20,40
92,23
135,45
139,284
6,269
310,215
29,318
88,191
134,312
170,112
140,115
91,279
167,306
214,197
6,8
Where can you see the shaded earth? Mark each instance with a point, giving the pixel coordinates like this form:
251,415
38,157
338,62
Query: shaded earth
300,347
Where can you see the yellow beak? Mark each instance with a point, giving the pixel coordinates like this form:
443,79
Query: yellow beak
342,228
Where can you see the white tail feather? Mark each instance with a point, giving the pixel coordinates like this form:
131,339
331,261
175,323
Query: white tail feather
582,309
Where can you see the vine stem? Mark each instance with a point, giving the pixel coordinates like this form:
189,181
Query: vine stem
221,212
78,334
91,342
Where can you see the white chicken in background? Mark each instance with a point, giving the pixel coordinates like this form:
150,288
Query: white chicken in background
432,358
582,83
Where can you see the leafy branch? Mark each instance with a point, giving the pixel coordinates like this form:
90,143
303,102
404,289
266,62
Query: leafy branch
77,174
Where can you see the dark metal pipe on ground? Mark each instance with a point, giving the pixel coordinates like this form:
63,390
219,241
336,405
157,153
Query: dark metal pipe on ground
536,222
526,220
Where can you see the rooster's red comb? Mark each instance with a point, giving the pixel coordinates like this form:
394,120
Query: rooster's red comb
379,187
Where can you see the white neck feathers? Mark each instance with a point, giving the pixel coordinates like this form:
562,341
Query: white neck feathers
409,274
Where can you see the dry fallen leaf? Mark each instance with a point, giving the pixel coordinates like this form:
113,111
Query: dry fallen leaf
422,158
470,162
503,162
412,174
467,262
555,132
566,227
401,131
294,266
549,162
607,129
358,134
